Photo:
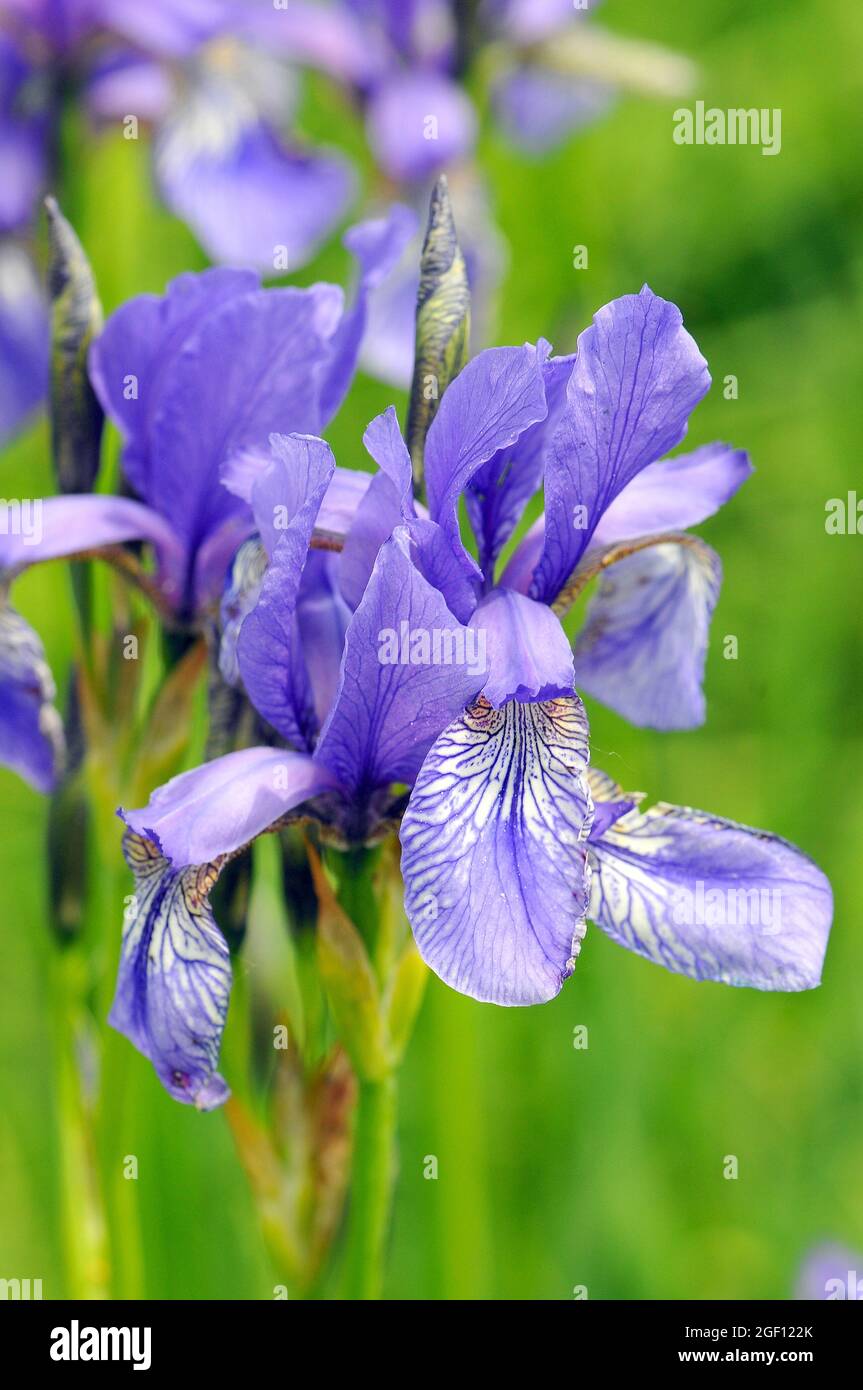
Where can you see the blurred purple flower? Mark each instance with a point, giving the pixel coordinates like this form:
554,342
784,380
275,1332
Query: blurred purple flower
23,338
190,66
403,662
831,1272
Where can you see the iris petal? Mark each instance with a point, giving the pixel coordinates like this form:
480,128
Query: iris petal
269,649
529,656
221,806
494,850
711,899
408,667
31,731
637,377
643,647
175,974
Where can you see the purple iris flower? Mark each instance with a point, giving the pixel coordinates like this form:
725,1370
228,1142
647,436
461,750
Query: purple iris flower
407,680
193,379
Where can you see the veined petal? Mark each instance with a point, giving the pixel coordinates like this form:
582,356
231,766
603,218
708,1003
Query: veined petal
269,650
175,974
665,496
643,647
300,471
674,494
498,395
31,731
434,557
408,667
528,652
498,492
637,378
377,516
388,502
346,490
385,443
221,806
131,362
220,401
52,527
711,899
494,850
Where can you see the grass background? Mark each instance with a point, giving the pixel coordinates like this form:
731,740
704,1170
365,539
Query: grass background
561,1167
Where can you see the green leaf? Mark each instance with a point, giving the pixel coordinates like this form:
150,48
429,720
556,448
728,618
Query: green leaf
349,981
405,995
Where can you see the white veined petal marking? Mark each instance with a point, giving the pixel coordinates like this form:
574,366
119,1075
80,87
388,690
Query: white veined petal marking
494,861
175,973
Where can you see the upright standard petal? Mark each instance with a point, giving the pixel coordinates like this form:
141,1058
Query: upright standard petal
221,806
408,667
269,649
498,492
638,376
643,646
489,405
31,731
528,652
388,502
711,899
132,361
341,499
220,401
175,974
494,850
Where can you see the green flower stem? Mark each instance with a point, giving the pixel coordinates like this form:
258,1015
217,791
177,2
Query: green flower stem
110,882
374,1171
84,1235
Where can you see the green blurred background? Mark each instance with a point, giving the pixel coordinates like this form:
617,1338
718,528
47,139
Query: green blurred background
560,1167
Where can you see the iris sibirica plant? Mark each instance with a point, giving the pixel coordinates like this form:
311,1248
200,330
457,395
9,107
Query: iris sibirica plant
396,635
